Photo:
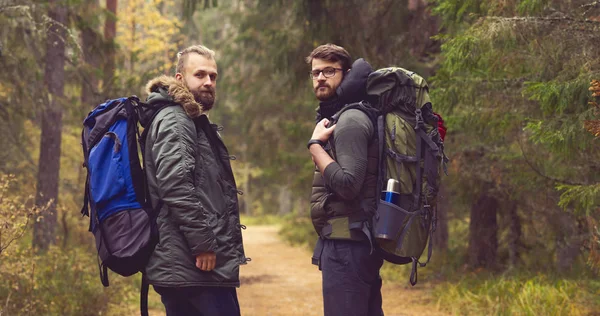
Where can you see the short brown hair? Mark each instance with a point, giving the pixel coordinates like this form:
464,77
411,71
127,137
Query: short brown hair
331,52
198,49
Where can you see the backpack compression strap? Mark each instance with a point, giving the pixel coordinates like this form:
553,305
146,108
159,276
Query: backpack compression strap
85,208
144,295
428,164
415,261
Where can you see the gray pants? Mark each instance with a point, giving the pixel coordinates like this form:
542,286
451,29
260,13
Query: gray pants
351,281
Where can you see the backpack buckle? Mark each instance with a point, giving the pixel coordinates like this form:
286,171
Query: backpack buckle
427,209
419,119
134,99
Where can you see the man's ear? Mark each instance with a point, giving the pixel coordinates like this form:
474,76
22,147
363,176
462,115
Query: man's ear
179,76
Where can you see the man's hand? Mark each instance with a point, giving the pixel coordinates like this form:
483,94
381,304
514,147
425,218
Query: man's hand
323,131
206,261
319,156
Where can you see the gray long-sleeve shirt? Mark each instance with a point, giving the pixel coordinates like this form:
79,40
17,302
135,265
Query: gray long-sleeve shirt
351,138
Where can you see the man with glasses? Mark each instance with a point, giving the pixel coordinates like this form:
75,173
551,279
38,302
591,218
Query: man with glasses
344,185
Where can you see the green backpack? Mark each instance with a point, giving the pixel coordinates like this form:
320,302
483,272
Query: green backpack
411,157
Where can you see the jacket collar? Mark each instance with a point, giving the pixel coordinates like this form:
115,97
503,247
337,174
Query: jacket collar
169,89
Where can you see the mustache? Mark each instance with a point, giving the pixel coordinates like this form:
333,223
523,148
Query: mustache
322,85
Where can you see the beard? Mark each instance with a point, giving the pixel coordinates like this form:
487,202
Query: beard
324,94
204,96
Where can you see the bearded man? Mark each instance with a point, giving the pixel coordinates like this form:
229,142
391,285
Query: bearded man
195,266
344,185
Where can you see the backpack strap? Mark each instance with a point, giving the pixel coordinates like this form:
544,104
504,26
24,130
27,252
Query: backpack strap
413,271
417,189
421,137
85,210
354,230
86,198
380,164
364,227
145,287
416,263
429,247
142,142
103,272
364,106
317,252
156,110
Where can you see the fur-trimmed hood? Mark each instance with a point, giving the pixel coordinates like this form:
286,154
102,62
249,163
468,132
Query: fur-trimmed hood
169,89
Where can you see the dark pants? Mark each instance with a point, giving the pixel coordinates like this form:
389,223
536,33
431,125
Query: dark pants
351,281
199,301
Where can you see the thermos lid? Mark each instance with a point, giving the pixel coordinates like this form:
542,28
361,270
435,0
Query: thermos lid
393,186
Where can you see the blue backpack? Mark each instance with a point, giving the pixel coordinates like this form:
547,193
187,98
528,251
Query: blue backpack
116,198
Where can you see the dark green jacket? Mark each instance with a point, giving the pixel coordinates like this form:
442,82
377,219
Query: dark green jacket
188,168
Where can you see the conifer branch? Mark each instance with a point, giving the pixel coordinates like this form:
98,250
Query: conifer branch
590,6
542,19
540,173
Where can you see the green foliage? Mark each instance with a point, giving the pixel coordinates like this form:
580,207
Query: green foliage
58,282
518,295
14,214
298,230
267,219
514,85
584,199
560,97
455,11
530,7
511,82
62,281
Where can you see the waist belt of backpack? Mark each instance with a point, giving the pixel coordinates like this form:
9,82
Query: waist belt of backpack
340,228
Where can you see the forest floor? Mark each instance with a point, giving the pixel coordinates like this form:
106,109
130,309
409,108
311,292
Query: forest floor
281,281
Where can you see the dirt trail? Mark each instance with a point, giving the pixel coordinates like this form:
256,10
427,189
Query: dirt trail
280,281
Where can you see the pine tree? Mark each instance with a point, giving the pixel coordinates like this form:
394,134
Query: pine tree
514,77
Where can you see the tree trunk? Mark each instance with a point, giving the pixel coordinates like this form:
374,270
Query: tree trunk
421,45
514,237
49,162
91,45
414,5
569,241
110,31
132,54
440,236
285,200
483,229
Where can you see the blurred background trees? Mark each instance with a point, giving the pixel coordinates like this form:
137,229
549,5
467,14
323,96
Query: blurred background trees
515,80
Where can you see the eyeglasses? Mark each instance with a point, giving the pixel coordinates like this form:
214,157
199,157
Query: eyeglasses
328,72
